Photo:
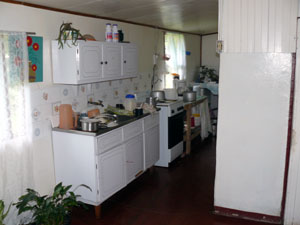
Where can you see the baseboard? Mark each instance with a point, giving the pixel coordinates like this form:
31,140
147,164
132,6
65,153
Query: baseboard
247,215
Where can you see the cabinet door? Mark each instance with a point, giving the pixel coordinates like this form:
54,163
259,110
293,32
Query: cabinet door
112,61
134,157
112,172
129,60
151,144
90,58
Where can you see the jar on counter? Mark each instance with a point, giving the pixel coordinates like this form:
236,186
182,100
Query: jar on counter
130,102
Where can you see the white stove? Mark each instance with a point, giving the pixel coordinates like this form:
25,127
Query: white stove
171,131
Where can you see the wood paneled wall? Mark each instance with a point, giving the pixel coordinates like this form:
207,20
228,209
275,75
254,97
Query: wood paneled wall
258,25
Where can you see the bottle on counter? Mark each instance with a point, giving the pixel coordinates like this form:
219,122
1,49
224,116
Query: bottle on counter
130,102
115,33
108,33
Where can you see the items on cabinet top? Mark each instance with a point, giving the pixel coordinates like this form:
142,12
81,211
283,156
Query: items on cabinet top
93,61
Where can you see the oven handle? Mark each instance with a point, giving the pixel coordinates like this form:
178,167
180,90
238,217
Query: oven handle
181,108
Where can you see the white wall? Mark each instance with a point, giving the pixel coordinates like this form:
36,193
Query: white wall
210,57
46,24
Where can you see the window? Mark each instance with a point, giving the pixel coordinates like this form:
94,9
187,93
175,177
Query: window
175,51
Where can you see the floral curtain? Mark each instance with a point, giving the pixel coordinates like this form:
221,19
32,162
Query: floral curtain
16,173
175,50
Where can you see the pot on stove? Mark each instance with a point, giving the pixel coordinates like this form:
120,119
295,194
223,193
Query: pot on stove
159,95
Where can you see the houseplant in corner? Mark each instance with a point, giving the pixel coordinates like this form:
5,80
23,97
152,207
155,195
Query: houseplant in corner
3,214
67,32
50,210
207,74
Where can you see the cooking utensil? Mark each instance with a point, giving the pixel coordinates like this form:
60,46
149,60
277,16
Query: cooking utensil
89,124
151,101
189,96
159,95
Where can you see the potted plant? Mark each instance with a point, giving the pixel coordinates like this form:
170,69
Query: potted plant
67,32
50,210
207,74
3,214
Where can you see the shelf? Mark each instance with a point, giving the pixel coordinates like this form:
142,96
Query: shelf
194,133
190,134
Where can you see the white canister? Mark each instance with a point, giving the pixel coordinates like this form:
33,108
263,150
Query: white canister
130,102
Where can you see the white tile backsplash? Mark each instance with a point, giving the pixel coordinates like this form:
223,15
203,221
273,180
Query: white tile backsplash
44,99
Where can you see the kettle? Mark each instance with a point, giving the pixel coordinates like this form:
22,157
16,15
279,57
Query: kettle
66,120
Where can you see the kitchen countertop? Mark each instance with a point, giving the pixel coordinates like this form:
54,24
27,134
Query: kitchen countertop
122,121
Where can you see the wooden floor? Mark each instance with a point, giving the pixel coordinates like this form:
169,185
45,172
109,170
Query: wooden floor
179,195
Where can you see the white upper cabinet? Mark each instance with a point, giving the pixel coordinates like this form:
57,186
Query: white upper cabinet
258,25
90,61
111,60
93,61
129,60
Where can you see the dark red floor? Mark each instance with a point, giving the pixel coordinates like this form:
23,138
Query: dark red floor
179,195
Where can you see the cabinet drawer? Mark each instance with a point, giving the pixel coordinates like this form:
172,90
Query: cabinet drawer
133,129
151,121
109,140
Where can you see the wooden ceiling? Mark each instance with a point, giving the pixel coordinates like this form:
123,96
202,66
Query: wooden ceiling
194,16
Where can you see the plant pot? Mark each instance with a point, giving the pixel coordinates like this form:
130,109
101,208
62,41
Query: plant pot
70,35
68,219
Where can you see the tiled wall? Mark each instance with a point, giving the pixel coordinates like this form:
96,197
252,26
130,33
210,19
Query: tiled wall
45,100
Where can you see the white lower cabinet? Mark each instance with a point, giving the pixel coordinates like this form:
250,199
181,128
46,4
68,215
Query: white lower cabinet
108,162
112,170
134,157
151,143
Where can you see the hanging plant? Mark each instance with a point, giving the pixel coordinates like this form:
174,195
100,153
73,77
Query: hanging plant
67,32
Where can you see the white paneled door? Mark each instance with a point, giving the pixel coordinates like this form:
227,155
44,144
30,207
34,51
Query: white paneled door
253,120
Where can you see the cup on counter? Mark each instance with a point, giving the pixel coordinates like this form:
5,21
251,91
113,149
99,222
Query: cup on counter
138,112
120,106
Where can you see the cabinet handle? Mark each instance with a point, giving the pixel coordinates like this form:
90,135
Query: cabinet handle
129,161
101,63
124,61
105,62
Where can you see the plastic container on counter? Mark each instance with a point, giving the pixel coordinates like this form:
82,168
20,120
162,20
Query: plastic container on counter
130,102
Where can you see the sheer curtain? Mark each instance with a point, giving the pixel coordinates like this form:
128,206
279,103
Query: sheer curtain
175,50
16,169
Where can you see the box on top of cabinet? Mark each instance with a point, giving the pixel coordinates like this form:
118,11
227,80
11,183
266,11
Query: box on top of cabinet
93,61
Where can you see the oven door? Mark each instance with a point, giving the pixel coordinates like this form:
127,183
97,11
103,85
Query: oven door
175,129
